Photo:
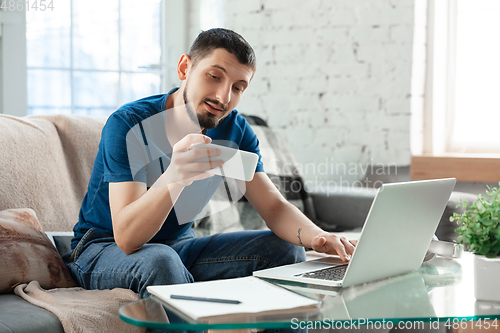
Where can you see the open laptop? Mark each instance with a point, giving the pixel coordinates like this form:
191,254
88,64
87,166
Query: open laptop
394,240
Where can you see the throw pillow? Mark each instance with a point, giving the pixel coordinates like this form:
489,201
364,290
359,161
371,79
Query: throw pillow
26,253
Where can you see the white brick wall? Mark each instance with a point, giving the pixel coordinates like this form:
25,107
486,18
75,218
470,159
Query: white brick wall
333,77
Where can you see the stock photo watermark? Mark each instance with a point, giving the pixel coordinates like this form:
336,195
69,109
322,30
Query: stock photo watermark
382,324
330,176
27,5
331,167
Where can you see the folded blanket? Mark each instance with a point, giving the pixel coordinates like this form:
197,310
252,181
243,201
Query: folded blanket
81,310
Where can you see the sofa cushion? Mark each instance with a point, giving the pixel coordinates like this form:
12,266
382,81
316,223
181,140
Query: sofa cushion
27,253
228,210
46,164
19,316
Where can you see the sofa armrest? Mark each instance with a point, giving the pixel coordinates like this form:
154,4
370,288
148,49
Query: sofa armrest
341,208
61,240
345,208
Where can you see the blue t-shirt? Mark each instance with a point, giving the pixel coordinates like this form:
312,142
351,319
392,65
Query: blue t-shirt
134,147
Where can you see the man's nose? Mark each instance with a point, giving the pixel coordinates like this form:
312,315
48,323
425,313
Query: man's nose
224,94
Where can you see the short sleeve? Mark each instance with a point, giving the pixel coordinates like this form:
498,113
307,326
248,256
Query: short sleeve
123,153
250,142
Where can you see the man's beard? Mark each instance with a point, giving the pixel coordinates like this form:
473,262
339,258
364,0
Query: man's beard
206,121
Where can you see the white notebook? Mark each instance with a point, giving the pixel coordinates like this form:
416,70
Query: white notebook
257,297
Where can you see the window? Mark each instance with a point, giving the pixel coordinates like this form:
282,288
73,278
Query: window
462,111
454,125
475,117
89,57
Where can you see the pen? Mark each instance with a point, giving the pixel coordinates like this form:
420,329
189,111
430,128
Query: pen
205,299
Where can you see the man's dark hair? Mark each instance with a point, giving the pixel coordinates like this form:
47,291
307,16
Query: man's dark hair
216,38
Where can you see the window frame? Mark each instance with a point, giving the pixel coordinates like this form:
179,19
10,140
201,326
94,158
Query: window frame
434,157
13,67
13,63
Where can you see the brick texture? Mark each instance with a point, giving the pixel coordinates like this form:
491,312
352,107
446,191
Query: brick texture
333,78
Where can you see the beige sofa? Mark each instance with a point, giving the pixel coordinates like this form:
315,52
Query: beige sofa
45,164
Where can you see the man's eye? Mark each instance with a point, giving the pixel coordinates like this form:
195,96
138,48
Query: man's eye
213,76
237,89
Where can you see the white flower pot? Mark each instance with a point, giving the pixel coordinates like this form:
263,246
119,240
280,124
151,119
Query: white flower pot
486,278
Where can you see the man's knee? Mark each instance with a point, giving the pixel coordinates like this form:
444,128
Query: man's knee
295,254
285,253
158,264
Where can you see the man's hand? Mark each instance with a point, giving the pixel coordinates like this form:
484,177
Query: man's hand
332,244
184,168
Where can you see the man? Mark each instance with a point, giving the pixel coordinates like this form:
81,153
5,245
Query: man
130,233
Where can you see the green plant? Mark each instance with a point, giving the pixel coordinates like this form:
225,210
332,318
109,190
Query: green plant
480,224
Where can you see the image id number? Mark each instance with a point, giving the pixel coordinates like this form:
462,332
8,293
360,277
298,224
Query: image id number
485,323
21,5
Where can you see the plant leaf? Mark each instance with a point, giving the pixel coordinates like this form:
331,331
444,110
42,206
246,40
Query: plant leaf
487,222
491,255
479,224
496,249
485,250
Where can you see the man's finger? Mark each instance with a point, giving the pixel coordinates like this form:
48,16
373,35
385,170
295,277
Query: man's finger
349,248
342,253
347,244
319,241
198,176
339,247
205,152
204,166
191,139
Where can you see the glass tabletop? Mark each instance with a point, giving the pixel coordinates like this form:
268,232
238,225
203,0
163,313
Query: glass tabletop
441,290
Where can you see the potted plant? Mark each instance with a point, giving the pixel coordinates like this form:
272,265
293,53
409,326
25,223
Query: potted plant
480,230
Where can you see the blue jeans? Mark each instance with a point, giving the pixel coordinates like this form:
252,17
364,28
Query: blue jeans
99,263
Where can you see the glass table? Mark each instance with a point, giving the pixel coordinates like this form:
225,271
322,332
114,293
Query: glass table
442,290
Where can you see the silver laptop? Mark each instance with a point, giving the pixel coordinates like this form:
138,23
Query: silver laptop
394,240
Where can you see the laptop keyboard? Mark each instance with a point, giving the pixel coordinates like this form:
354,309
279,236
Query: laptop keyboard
335,273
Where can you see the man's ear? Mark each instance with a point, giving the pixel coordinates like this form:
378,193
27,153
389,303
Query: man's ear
183,66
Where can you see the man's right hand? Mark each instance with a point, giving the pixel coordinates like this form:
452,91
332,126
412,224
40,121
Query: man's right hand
184,167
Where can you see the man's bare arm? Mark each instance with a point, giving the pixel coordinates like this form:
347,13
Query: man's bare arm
138,214
289,223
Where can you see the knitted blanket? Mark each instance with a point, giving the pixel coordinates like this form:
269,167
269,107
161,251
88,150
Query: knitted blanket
81,310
